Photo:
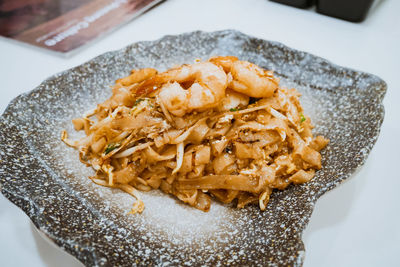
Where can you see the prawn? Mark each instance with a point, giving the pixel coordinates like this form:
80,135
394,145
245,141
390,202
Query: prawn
251,80
246,77
224,62
207,89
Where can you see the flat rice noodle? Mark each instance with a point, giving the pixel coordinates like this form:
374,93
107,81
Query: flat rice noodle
122,98
267,176
188,195
302,176
266,137
306,130
159,141
283,161
187,164
105,131
245,198
124,176
225,196
273,124
232,182
146,174
166,187
248,151
143,187
79,123
119,110
269,102
214,133
280,183
203,201
186,134
295,139
222,161
217,146
230,169
189,120
310,156
167,137
87,124
152,156
170,163
115,163
199,133
154,182
140,121
202,155
197,171
293,113
104,122
318,143
252,109
170,178
98,145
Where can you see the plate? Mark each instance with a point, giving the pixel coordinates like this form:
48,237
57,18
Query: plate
45,179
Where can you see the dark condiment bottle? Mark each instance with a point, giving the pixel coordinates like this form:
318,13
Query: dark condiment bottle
296,3
351,10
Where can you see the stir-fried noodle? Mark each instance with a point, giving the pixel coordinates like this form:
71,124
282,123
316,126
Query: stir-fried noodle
220,128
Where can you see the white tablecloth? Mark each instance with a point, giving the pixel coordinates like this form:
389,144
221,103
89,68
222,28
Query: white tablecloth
356,224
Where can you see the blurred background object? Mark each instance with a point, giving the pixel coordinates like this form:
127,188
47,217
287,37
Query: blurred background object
350,10
296,3
64,25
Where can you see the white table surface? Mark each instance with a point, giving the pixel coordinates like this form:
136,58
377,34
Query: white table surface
356,224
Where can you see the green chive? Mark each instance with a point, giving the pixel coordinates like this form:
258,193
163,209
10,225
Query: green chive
138,101
111,147
302,118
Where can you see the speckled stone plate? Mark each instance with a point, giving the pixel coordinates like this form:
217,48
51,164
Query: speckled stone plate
45,179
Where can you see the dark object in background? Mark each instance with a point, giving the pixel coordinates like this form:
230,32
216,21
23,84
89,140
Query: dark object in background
296,3
351,10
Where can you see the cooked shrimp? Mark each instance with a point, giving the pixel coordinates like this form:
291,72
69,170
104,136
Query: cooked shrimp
206,91
252,80
209,86
224,62
174,98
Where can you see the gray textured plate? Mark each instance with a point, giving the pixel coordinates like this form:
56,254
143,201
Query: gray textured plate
44,177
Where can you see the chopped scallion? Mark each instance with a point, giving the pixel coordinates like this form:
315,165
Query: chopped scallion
111,147
302,118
